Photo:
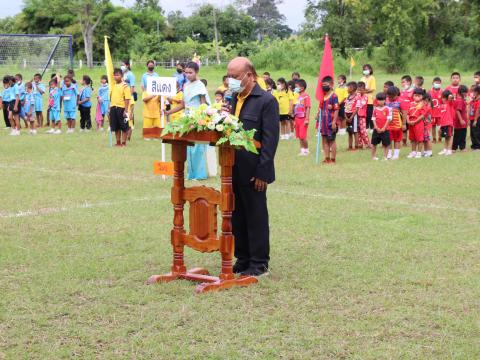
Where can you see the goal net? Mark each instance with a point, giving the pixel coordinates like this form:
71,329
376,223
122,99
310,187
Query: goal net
30,54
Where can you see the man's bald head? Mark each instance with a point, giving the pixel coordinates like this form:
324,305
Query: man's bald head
241,63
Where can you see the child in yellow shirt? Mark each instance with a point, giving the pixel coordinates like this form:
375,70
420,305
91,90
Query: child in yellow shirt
151,115
284,97
218,100
175,104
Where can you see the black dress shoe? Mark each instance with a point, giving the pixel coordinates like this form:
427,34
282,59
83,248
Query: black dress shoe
240,267
256,271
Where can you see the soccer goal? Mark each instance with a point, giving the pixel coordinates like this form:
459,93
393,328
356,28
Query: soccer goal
31,53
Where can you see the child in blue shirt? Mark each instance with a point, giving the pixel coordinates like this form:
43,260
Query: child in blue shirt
103,102
29,107
70,101
38,91
5,98
85,104
54,99
15,107
21,91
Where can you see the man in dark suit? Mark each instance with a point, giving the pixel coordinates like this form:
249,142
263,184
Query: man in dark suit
258,110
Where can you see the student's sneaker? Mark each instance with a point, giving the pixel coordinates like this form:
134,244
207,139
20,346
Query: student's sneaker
12,133
82,130
307,152
427,154
58,131
412,155
87,130
443,152
418,155
385,159
395,157
375,158
34,132
51,131
448,153
389,155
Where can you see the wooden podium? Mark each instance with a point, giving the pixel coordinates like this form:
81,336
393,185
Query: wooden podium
203,202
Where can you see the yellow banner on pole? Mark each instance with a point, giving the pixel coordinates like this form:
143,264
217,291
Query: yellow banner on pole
109,64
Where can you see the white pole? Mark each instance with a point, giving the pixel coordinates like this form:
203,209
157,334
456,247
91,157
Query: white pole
80,63
162,125
24,63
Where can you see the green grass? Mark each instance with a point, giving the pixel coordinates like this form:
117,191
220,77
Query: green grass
369,260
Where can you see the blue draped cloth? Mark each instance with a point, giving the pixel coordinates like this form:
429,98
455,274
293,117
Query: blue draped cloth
197,154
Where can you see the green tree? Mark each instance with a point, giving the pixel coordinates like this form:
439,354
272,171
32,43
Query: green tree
269,22
325,16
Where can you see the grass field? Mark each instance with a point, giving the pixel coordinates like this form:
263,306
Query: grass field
369,260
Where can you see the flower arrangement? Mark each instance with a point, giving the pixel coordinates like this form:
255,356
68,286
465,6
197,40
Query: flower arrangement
205,118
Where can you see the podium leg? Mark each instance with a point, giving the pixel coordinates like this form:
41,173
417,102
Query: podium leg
227,159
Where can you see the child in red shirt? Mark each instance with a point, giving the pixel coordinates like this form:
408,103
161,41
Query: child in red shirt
399,110
381,118
362,102
406,95
455,79
447,111
351,117
302,116
475,118
415,121
460,121
436,96
427,144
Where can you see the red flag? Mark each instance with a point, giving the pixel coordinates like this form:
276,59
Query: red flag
326,68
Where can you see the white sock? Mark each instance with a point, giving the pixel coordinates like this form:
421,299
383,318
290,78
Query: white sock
396,152
389,153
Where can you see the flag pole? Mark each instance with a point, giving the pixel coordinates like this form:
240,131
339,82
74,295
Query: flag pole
326,69
317,159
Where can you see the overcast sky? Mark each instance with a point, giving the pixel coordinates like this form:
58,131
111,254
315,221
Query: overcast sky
292,9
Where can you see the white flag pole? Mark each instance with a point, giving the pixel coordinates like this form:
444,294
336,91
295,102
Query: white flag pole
162,125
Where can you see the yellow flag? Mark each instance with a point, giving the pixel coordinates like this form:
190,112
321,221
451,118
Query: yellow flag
109,64
352,62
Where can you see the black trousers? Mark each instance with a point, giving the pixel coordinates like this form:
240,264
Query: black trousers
85,117
5,115
475,135
250,226
369,116
459,139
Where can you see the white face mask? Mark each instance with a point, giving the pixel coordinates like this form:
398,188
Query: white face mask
124,68
366,72
235,85
437,86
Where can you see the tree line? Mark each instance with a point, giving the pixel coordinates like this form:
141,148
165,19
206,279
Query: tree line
144,30
392,32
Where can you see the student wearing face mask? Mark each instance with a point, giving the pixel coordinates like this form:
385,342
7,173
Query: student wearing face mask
370,88
436,96
285,103
180,75
150,72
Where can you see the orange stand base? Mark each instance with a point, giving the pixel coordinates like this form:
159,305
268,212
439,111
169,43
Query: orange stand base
207,282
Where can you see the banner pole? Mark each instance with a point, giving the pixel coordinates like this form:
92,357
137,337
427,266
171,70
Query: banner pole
162,125
318,137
